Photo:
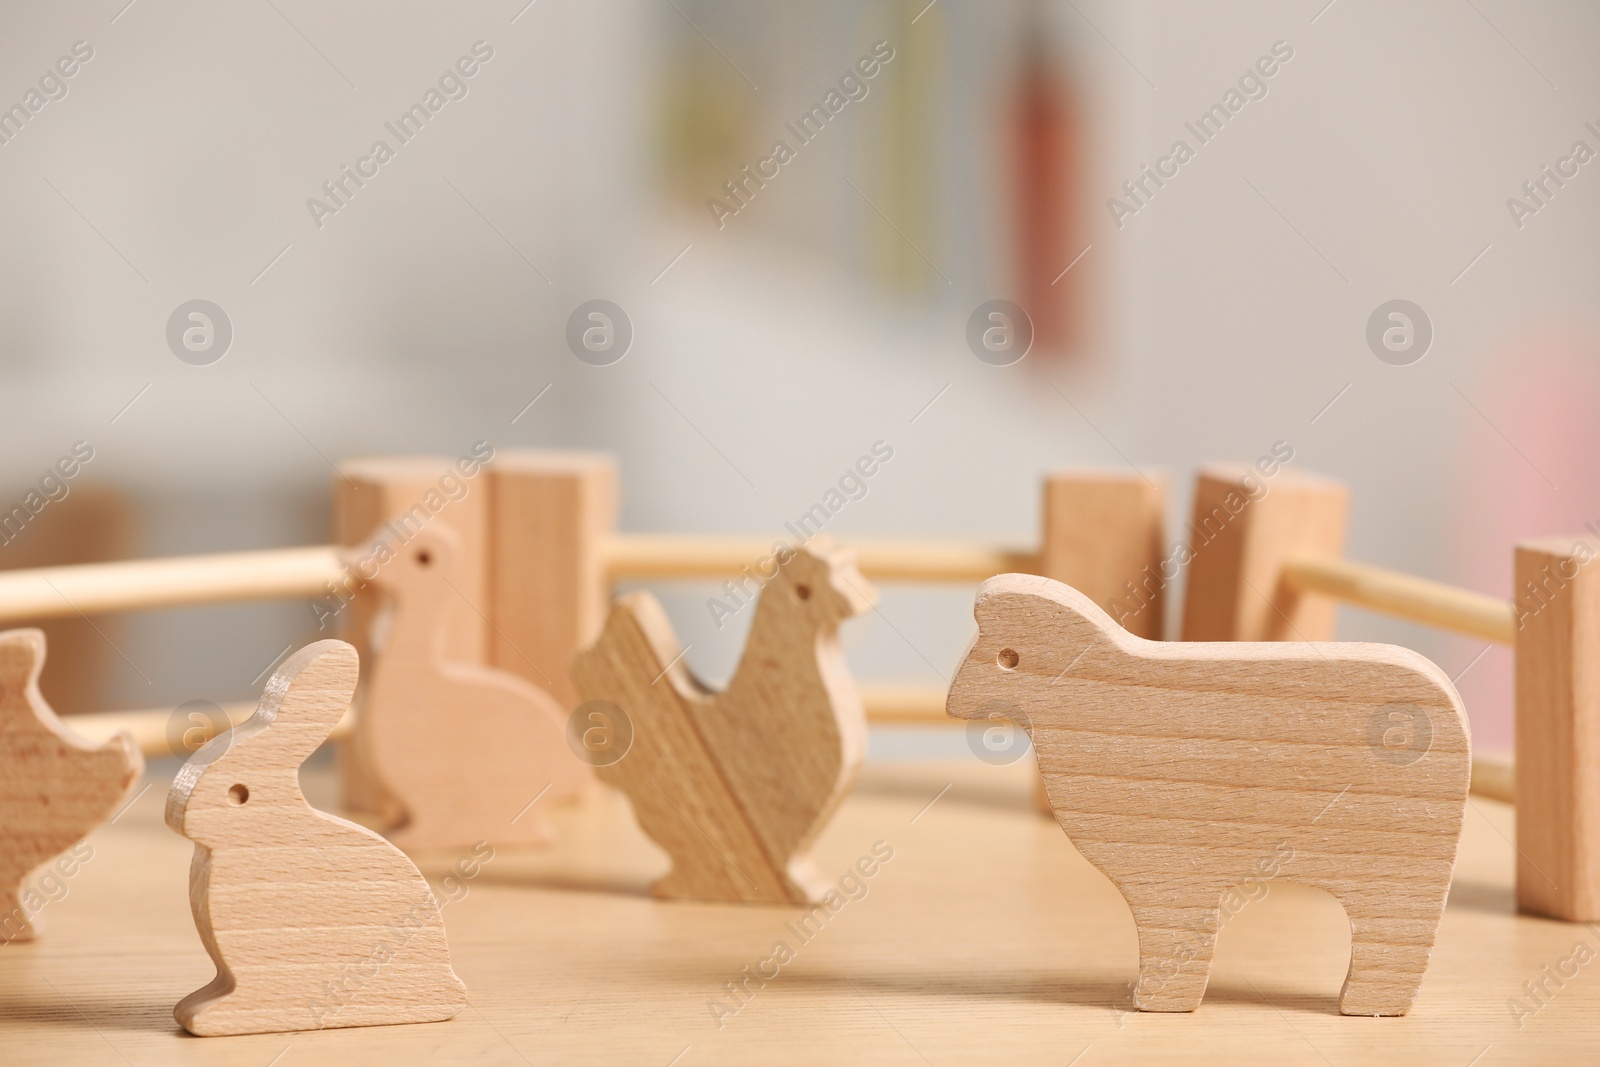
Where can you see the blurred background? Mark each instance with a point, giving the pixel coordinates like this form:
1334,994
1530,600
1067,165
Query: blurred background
783,326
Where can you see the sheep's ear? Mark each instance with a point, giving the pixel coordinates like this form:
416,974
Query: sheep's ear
1004,596
307,696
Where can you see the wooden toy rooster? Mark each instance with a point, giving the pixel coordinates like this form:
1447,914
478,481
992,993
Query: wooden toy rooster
736,785
462,748
55,787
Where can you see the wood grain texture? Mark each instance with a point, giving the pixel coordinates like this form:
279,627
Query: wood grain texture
736,785
1184,771
312,921
987,940
1244,527
402,494
1104,535
1558,728
551,515
462,749
56,786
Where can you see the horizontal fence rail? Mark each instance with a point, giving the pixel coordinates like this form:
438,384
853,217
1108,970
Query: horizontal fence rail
1406,597
288,573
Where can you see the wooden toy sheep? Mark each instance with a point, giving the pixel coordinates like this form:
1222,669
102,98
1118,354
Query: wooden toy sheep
1182,769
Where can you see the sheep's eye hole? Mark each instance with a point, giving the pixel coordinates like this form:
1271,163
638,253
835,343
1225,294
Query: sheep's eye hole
1007,659
424,558
803,591
238,794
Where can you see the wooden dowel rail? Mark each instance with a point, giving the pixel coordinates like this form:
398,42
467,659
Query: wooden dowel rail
887,705
289,573
664,556
94,588
1404,596
176,581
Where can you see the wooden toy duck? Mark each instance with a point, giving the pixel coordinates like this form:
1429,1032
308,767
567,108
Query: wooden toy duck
462,748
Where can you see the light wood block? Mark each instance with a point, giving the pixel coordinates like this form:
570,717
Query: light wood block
312,921
1103,535
1244,527
736,785
550,518
1187,770
55,787
403,495
463,749
1558,728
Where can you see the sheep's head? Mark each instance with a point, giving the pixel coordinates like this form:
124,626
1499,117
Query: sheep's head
1032,633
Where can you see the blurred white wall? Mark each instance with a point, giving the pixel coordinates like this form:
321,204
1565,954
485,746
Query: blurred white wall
1222,317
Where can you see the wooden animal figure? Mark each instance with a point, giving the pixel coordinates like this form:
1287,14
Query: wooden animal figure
736,785
55,788
463,748
312,921
1183,770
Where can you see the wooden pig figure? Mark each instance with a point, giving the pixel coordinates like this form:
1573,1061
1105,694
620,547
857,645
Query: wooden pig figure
312,921
462,748
55,787
736,785
1180,769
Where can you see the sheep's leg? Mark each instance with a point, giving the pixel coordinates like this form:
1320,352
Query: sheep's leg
1177,937
1391,936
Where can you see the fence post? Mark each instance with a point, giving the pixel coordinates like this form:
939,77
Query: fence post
1244,525
1558,728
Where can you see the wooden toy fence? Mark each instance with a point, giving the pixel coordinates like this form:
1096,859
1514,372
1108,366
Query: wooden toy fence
1263,556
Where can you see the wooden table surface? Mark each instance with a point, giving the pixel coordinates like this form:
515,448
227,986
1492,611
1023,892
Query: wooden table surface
986,939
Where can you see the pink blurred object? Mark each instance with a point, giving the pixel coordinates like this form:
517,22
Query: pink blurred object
1543,394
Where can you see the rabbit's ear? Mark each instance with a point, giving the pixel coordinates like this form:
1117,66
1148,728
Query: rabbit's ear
307,696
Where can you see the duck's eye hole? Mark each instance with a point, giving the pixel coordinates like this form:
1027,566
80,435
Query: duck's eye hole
424,558
803,591
238,794
1007,659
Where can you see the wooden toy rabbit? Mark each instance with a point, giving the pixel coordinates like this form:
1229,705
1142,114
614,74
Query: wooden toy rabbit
1183,769
311,920
736,785
55,787
463,748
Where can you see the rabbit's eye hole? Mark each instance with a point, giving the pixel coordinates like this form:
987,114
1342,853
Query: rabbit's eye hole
424,558
1007,659
238,794
803,591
